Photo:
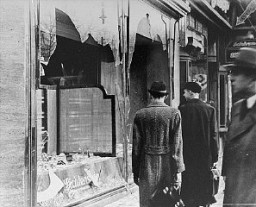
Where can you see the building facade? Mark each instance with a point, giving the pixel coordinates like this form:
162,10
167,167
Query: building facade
242,16
206,34
75,72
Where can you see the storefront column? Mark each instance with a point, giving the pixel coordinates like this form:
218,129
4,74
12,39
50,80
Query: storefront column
30,88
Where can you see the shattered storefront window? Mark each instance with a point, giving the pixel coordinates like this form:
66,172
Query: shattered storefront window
76,40
149,48
79,84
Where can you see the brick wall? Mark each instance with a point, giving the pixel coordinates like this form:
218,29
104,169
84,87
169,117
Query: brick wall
12,102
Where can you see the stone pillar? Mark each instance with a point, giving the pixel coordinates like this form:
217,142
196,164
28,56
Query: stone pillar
12,102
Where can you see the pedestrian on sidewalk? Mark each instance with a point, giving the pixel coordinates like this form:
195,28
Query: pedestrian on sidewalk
200,148
157,158
239,159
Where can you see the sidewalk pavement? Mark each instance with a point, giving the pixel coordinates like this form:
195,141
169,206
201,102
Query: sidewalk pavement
132,199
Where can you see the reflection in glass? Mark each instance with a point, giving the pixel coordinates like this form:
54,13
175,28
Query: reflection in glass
149,59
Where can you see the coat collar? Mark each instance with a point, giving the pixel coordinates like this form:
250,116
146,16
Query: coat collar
237,106
251,101
237,126
194,100
157,104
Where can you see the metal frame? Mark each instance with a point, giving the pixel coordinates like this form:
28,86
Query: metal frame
105,96
30,172
113,114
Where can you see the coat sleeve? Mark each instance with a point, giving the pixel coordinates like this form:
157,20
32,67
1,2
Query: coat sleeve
136,147
177,149
224,162
213,137
226,154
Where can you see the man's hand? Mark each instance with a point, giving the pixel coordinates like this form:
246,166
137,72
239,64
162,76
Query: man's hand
177,181
177,178
224,178
177,185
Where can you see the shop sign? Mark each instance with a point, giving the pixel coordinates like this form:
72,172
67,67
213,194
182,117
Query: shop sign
251,8
231,55
222,4
76,182
63,188
244,44
232,51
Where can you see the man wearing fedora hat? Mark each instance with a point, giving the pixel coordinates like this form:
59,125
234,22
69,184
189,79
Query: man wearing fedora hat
157,158
239,159
200,148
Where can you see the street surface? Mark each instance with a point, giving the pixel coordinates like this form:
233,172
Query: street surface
132,199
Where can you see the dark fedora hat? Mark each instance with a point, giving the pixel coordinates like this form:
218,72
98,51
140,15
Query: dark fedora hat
193,86
158,87
245,61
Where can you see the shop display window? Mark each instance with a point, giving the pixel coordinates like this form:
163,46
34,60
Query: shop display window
79,100
79,63
97,59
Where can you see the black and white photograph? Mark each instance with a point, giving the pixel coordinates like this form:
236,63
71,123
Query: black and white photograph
128,103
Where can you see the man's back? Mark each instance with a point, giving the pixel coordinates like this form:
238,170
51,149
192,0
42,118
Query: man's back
199,147
157,122
157,158
199,131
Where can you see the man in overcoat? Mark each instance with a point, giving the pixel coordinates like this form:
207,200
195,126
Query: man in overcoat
239,160
157,158
200,147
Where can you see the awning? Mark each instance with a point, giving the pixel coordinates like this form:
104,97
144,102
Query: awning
234,47
206,10
174,8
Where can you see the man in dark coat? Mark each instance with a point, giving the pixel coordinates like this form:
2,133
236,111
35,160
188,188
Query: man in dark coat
239,160
157,158
200,147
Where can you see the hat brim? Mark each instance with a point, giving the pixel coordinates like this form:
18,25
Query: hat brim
195,87
230,66
158,92
238,67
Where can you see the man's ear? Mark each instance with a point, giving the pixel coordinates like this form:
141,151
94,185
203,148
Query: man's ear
190,92
253,80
